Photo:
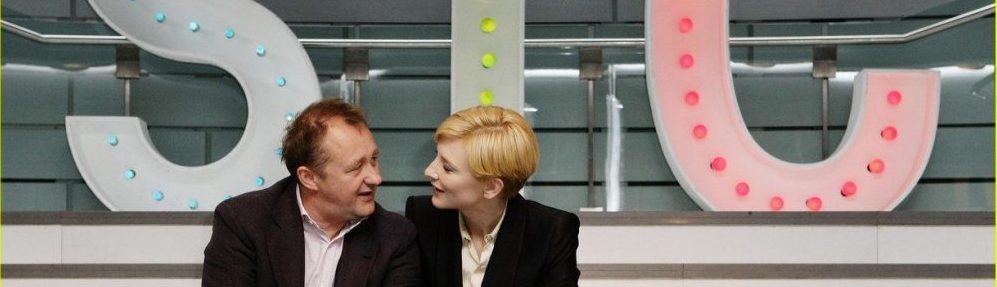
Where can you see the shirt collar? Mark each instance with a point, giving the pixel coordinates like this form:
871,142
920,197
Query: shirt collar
490,237
301,206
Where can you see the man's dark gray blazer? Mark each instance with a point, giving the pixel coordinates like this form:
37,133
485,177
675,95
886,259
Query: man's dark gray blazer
258,240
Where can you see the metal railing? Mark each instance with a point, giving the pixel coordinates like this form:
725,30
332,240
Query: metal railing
556,43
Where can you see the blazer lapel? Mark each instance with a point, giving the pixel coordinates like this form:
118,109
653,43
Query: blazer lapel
448,244
505,255
286,242
359,249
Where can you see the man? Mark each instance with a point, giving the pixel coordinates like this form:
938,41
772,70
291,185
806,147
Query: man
320,226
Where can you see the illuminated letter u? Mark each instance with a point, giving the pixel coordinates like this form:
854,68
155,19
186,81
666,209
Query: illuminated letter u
884,150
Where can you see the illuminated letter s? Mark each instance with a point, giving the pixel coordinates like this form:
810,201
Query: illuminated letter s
114,154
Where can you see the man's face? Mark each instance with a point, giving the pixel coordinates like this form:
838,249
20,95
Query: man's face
346,184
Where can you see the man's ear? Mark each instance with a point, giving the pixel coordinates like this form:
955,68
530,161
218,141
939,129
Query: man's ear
308,178
493,187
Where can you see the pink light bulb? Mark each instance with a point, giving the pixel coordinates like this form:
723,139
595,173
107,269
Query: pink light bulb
685,25
814,203
718,164
692,98
685,61
699,131
876,166
849,189
742,188
894,98
889,133
776,203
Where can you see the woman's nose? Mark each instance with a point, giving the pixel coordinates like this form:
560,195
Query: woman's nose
429,172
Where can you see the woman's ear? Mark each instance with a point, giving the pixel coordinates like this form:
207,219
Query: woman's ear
307,178
493,187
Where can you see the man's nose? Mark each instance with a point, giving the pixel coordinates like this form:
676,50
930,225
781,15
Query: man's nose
374,178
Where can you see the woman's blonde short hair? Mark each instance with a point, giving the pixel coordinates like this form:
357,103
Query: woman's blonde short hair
499,143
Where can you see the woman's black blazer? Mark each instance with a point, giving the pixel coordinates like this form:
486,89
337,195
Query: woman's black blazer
536,245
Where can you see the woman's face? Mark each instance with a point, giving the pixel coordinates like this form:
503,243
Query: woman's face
454,187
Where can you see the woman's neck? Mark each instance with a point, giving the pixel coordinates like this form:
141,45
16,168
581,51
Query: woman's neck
483,217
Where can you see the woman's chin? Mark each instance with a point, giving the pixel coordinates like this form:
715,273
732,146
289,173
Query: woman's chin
441,203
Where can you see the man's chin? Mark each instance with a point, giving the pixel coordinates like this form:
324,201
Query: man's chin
366,209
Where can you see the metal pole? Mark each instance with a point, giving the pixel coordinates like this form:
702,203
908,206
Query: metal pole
590,70
356,93
128,97
591,143
356,64
825,133
127,68
825,66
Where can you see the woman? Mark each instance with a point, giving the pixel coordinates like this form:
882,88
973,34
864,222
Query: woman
476,230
